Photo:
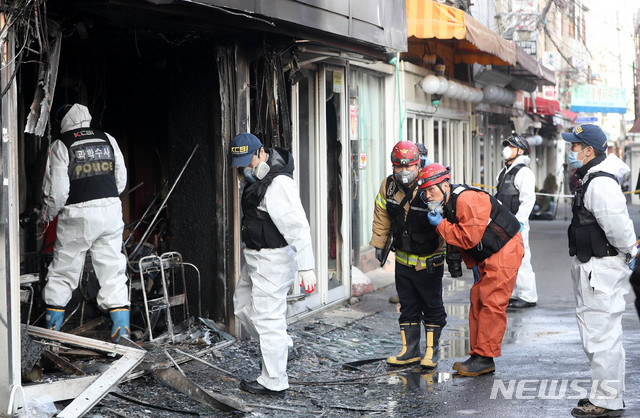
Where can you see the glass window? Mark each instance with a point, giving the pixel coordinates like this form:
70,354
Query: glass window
370,103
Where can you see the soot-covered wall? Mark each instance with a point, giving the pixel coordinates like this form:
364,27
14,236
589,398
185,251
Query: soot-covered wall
194,109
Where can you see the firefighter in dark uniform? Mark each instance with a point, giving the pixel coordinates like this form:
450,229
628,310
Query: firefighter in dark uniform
487,234
400,221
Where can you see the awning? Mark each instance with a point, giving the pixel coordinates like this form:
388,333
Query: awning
635,129
474,42
543,106
529,66
569,115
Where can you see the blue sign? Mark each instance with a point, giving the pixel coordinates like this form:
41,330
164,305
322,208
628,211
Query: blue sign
586,119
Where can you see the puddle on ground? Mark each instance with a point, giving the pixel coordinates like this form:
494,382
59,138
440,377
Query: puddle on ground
417,378
454,342
457,284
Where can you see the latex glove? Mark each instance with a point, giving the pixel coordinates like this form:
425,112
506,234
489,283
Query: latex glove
379,254
521,226
434,217
632,263
308,280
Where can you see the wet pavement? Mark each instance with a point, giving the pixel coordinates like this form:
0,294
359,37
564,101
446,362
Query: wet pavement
543,370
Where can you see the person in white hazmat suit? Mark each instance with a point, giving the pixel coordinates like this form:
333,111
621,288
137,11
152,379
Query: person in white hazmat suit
277,240
517,191
601,245
84,176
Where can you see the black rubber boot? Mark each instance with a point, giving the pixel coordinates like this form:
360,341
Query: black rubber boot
410,353
476,365
432,353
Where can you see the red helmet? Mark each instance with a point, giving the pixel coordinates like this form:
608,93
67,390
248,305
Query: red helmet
405,153
433,174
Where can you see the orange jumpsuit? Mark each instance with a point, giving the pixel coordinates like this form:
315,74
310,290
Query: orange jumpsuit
490,295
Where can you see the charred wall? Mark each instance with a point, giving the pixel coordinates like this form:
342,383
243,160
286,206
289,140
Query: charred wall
195,120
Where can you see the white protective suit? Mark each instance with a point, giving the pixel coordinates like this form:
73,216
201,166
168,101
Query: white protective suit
260,297
525,182
601,283
95,225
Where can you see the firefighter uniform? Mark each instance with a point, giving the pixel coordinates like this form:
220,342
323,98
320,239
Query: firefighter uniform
420,254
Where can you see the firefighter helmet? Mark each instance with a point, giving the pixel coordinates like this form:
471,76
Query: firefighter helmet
433,174
405,153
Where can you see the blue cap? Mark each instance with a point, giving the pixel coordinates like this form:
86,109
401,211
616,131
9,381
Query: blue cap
591,135
243,147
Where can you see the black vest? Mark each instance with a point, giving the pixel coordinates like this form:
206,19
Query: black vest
91,165
586,238
258,230
502,225
411,231
507,192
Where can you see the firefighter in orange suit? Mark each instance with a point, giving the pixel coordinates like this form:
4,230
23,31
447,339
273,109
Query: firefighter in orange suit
487,235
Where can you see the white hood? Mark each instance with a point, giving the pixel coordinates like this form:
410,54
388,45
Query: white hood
77,117
613,165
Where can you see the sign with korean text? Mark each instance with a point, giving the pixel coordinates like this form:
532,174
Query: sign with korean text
603,99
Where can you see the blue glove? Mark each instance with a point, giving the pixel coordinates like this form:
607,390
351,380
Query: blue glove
434,217
521,226
632,263
476,274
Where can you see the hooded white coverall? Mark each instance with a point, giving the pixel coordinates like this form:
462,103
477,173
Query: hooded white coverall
525,182
601,283
95,226
260,298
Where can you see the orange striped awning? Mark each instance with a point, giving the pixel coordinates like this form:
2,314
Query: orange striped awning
474,42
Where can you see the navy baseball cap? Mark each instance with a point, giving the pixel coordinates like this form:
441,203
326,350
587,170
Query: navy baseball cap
243,147
591,135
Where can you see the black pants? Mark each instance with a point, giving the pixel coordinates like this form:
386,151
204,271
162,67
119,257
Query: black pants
420,295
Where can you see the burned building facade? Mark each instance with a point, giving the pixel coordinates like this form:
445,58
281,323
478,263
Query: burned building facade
173,81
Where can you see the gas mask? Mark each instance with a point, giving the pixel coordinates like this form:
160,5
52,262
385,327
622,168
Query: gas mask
261,170
506,153
254,174
433,206
405,176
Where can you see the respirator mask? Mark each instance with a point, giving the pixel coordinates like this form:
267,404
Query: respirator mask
405,176
254,174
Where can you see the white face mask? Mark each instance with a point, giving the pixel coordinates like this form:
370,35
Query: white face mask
506,153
